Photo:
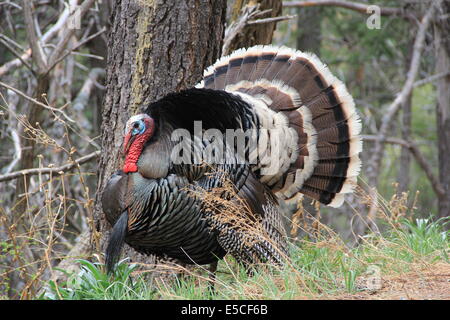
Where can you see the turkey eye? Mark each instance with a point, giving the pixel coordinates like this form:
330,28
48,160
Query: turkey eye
138,127
135,128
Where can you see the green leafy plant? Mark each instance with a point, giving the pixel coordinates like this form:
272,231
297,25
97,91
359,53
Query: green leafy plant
93,283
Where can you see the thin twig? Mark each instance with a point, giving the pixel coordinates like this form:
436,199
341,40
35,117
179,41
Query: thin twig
15,5
87,55
269,20
11,41
237,26
261,13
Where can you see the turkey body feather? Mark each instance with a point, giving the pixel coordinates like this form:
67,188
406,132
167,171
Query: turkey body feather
163,219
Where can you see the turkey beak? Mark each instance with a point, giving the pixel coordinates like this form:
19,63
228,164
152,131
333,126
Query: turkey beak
129,138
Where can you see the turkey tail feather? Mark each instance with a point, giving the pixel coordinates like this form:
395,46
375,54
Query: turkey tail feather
116,240
298,90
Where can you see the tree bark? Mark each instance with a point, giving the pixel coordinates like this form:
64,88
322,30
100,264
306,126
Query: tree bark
155,47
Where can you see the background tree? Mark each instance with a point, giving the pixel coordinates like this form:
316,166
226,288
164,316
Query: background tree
441,29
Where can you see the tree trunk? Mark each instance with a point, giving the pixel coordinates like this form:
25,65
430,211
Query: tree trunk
155,47
403,177
309,31
442,50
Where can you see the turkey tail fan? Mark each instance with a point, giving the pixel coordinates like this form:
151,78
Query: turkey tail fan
298,89
116,241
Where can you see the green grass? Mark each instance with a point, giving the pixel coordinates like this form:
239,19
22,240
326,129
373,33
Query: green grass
321,269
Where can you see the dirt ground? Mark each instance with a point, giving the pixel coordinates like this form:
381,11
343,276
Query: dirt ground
432,283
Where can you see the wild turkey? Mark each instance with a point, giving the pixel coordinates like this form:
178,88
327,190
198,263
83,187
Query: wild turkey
290,102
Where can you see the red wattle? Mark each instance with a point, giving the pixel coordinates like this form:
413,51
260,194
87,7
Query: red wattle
132,157
130,167
134,150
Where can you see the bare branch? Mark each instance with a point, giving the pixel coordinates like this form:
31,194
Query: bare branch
11,104
17,150
10,48
431,78
355,6
62,21
420,158
48,170
8,66
82,98
75,47
378,151
261,13
391,140
12,4
81,101
37,52
4,37
422,161
269,20
37,102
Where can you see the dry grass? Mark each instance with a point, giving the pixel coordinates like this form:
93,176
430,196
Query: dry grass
229,213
